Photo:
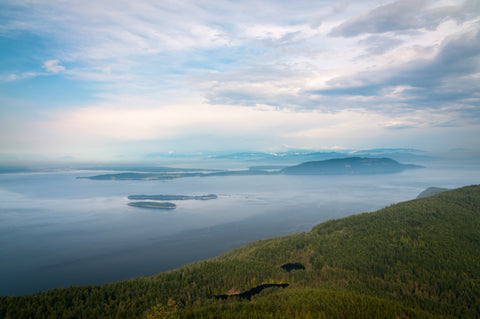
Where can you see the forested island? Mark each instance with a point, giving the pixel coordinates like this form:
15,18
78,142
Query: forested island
172,197
349,166
140,176
416,259
338,166
153,205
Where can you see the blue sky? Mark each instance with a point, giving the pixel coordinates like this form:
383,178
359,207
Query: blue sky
108,79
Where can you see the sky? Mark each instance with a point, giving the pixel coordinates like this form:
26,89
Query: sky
111,79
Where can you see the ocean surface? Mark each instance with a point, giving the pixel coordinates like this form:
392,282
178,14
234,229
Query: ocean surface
57,230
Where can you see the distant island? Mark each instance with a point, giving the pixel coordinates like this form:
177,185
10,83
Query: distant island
349,166
266,167
172,197
143,169
164,205
139,176
240,173
431,191
153,205
338,166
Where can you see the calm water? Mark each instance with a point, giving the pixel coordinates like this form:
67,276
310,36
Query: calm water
56,230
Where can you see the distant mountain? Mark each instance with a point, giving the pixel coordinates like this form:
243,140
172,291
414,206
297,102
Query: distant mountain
388,150
431,191
350,165
398,154
297,156
280,157
245,156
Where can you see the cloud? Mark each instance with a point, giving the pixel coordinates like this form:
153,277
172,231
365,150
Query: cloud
336,8
277,35
273,85
96,30
389,17
380,44
53,66
16,77
450,76
405,15
390,71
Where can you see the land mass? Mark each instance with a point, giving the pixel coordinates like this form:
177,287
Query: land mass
338,166
143,169
431,191
153,205
416,259
172,197
350,165
140,176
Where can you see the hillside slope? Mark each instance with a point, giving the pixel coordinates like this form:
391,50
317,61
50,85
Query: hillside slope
431,191
416,259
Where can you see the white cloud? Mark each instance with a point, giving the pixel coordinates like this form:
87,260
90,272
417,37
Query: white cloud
53,66
16,77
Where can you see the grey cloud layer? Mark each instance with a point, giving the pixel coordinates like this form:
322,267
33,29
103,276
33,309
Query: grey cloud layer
405,15
448,77
447,80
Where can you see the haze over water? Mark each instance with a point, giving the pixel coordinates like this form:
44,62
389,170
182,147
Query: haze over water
56,230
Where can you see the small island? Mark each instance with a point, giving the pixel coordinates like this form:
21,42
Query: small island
136,176
172,197
153,205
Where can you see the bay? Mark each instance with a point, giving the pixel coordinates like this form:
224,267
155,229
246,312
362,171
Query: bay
57,230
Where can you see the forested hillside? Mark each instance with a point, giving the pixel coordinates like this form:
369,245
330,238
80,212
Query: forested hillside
417,259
